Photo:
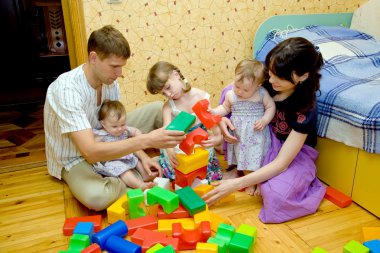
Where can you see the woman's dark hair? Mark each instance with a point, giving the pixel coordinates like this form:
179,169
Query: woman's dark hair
297,56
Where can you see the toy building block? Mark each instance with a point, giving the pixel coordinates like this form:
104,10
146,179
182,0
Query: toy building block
188,238
147,222
247,230
165,226
118,244
167,199
190,200
225,233
167,249
93,248
241,243
319,250
155,248
182,122
184,180
162,182
222,247
216,220
208,120
338,198
355,247
373,245
118,228
70,223
195,137
85,228
202,216
179,213
204,247
189,163
149,242
79,242
135,198
205,188
148,238
370,233
118,210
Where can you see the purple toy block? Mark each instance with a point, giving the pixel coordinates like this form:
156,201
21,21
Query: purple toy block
119,228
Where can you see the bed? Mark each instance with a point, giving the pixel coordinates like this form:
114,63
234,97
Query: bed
349,103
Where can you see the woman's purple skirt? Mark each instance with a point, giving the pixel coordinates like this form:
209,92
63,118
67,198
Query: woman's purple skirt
294,193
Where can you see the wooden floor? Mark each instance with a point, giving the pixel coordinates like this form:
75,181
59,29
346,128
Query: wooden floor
33,207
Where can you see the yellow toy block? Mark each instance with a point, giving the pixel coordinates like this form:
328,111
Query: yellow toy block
228,198
118,210
165,225
206,248
155,248
247,230
216,219
371,233
205,188
202,216
190,163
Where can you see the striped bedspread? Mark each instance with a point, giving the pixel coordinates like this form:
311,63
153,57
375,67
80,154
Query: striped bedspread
349,103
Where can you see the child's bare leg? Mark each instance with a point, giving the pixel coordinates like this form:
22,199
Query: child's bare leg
130,179
144,174
250,190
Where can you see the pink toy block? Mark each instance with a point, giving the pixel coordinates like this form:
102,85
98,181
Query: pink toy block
70,223
179,213
188,238
93,248
184,180
147,222
195,137
338,198
208,120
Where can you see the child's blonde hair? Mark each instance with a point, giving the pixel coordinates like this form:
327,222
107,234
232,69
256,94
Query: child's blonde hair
251,69
111,108
159,74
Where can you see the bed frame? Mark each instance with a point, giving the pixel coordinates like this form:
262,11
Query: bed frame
349,169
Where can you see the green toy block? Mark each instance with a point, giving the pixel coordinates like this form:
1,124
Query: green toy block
225,232
247,230
182,122
167,199
155,248
78,242
222,246
241,243
191,200
355,247
167,249
135,198
319,250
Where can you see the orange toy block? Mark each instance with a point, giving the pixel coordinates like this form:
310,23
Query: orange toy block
195,137
208,120
148,238
184,180
202,216
216,219
118,210
371,233
165,226
70,223
179,213
338,198
205,188
93,248
141,234
147,222
189,163
203,247
188,238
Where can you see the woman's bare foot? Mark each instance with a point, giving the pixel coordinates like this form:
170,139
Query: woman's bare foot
250,190
146,185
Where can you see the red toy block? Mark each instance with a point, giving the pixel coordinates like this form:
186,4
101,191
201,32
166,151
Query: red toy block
179,213
148,238
195,137
70,223
147,222
184,180
93,248
188,238
338,198
208,120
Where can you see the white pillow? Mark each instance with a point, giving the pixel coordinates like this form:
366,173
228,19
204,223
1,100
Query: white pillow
367,19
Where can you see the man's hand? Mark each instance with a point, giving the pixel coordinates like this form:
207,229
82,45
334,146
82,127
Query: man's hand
150,164
161,138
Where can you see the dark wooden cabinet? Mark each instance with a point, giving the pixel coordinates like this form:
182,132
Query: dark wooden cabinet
34,49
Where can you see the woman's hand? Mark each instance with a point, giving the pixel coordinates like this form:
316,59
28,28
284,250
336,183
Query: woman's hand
222,189
224,125
150,165
161,138
172,157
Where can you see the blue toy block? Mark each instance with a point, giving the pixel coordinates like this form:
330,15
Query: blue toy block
85,228
117,244
119,228
373,245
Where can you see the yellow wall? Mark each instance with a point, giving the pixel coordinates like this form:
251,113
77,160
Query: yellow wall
204,38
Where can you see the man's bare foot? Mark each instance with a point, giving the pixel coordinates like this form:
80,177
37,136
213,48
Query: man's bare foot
147,185
250,190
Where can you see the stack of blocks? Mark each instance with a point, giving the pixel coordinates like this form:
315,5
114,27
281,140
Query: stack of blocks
172,221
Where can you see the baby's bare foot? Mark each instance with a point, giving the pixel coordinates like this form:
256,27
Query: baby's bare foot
257,191
147,185
250,190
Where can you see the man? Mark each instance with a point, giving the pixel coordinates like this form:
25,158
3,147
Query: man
70,114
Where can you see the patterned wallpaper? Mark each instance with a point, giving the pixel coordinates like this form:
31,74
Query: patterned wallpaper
204,38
